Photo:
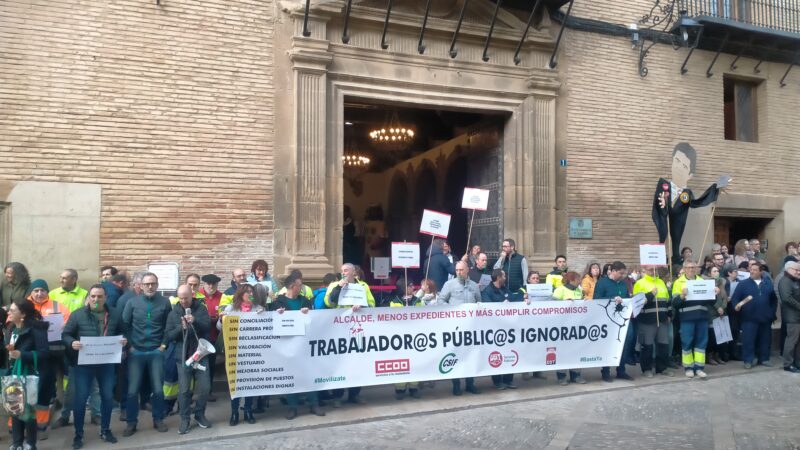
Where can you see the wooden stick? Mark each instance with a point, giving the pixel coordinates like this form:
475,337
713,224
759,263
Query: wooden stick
430,252
708,227
669,249
469,234
658,322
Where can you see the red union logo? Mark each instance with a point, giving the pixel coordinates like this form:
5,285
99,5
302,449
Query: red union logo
550,358
495,359
388,366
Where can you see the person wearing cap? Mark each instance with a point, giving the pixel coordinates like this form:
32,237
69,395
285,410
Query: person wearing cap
789,293
188,322
94,319
214,304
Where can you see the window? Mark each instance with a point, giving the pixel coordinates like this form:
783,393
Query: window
740,110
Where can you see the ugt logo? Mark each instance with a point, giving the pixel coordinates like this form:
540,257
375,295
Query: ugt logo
495,359
550,359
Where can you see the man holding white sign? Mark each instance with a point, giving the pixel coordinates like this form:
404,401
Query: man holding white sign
94,319
693,317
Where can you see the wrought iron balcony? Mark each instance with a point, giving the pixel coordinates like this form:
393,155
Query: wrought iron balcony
782,15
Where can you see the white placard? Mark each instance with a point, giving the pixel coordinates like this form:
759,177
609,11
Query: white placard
290,323
475,199
167,273
56,326
653,255
405,255
539,291
722,329
353,294
700,290
381,266
100,350
637,303
435,223
484,281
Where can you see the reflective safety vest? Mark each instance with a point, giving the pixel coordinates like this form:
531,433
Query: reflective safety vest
71,300
659,304
370,298
555,279
305,291
564,293
398,302
692,310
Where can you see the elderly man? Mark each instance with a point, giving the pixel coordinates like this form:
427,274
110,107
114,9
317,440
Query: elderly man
187,323
94,319
478,271
145,320
458,291
755,301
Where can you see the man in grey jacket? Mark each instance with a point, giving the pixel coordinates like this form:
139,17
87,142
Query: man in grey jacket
458,291
144,320
789,294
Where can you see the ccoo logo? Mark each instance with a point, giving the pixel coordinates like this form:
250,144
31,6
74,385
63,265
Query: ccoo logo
392,366
447,363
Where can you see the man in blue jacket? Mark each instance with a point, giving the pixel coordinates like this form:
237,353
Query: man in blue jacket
755,300
438,266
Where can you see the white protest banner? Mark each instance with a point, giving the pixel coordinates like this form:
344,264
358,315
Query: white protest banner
353,294
405,255
167,273
397,345
722,329
435,223
475,199
290,323
700,290
100,350
539,291
56,326
652,255
381,267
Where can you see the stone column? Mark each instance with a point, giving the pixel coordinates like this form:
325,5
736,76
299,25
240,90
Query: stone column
542,136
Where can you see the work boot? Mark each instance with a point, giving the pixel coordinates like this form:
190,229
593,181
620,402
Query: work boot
234,419
160,426
106,436
291,414
315,410
129,430
472,389
77,443
248,417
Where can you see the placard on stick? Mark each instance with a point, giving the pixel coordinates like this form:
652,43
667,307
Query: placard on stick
435,223
475,199
405,255
652,255
380,267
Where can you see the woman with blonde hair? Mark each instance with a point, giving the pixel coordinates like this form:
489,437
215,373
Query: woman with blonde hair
740,251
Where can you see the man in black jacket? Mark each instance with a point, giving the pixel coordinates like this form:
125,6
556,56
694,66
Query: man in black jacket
789,293
438,266
94,319
187,323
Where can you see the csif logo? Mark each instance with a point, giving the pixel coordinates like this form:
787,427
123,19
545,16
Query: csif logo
447,363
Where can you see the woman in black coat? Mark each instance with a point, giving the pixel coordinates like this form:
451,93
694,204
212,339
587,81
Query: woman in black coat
26,339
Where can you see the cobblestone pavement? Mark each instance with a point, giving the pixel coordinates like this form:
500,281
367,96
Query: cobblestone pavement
733,409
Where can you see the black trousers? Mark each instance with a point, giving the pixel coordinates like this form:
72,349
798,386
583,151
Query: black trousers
23,431
502,379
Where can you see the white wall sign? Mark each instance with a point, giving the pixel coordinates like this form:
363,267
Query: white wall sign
435,223
167,273
475,199
405,255
381,266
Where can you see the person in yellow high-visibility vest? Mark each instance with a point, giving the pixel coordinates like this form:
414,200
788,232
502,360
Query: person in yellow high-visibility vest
654,323
693,316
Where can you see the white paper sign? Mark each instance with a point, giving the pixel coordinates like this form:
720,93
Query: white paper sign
167,273
100,350
435,223
539,291
475,199
700,290
653,255
381,266
405,255
484,281
353,294
722,329
56,326
290,323
637,303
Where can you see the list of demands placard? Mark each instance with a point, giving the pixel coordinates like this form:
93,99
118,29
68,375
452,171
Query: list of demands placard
372,346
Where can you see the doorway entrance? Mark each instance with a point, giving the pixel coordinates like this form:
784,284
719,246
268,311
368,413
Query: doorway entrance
728,230
384,196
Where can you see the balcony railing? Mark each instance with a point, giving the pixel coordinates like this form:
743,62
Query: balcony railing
783,15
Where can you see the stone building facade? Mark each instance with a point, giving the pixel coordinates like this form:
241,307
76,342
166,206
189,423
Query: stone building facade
210,134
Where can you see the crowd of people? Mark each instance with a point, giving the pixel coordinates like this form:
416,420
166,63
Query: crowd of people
158,333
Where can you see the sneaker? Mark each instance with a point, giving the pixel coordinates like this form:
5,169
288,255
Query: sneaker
106,436
748,366
668,372
767,364
77,443
202,422
500,387
648,374
792,369
579,380
607,378
624,376
129,430
160,426
511,386
689,373
184,427
700,374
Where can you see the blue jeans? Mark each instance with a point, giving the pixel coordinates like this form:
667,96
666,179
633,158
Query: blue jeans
248,405
694,339
138,362
82,377
755,341
69,396
628,349
573,374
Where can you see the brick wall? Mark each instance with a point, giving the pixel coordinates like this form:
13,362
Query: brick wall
168,108
620,129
